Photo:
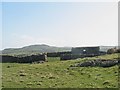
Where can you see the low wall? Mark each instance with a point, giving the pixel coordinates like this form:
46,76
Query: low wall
75,56
57,54
26,59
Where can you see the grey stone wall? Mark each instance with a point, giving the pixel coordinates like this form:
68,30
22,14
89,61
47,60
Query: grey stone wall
57,54
74,56
26,59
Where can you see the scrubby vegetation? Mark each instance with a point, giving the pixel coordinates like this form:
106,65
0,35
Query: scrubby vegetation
113,50
59,74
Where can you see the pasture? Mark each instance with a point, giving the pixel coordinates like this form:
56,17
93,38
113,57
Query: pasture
59,74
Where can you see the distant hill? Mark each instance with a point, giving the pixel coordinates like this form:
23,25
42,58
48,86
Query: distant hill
33,49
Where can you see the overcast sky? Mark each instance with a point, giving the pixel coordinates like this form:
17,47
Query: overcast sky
59,24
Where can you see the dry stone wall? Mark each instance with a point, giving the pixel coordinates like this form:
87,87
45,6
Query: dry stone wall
57,54
26,59
75,56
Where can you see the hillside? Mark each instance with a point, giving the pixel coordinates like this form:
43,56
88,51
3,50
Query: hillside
35,49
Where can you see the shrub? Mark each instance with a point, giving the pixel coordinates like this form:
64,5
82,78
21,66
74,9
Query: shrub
118,50
111,51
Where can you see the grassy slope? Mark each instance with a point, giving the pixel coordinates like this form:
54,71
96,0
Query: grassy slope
58,74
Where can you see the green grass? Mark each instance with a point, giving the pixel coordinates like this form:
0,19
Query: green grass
58,74
53,59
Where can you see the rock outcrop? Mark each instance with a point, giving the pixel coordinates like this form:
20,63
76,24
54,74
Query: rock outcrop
99,63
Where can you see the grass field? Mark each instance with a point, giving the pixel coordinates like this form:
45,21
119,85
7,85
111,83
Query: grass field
59,74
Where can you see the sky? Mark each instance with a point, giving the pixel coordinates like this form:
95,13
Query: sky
59,24
0,25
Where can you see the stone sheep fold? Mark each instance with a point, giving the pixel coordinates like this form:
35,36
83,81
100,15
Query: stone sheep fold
81,52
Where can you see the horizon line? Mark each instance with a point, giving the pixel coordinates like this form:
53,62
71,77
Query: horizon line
56,46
